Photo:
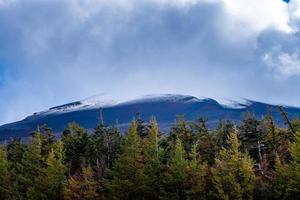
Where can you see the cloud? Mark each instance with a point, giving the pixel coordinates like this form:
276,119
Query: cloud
53,52
260,14
284,64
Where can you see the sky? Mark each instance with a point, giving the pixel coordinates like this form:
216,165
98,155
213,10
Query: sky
58,51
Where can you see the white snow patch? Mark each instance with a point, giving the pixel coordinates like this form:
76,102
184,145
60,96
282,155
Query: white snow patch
96,101
240,103
164,97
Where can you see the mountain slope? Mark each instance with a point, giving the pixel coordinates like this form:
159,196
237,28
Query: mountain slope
164,107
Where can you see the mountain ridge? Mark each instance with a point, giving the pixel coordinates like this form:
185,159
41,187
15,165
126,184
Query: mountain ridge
164,107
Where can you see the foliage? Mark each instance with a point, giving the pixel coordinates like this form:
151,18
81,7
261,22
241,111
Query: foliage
255,159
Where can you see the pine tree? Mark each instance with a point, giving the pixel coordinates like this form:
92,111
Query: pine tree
196,172
50,183
233,174
222,132
82,186
141,127
4,174
251,136
204,139
47,139
77,144
294,169
31,165
182,131
128,177
175,176
105,148
15,152
280,180
271,137
152,158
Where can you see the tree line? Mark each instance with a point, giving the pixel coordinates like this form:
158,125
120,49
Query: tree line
255,159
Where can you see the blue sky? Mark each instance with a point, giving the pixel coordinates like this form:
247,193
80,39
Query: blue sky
56,51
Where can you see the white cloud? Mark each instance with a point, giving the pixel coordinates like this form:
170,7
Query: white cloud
62,50
283,64
260,14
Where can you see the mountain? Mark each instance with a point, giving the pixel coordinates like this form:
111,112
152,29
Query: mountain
164,107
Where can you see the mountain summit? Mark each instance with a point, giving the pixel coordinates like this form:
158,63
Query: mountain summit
164,107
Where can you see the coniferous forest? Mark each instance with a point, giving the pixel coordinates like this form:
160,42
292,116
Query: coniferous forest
254,159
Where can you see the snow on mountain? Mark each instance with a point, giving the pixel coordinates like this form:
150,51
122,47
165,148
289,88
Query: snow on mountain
164,107
93,102
240,103
103,101
163,97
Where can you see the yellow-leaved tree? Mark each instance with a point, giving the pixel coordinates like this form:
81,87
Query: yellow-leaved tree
233,174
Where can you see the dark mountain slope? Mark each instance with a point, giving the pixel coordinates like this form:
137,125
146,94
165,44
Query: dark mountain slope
165,108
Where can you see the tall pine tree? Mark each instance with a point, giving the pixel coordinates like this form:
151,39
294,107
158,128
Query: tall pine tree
4,174
233,173
152,158
128,172
50,183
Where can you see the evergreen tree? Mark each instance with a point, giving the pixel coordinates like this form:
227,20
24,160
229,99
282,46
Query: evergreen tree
82,186
141,127
182,131
294,169
271,137
31,164
50,183
196,174
280,180
175,175
222,132
233,174
206,143
105,148
152,158
296,123
77,143
128,176
15,151
47,139
251,137
4,174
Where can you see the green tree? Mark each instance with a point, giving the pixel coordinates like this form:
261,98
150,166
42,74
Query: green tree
152,159
251,136
233,174
222,132
280,180
294,169
82,186
175,175
47,139
4,174
50,183
77,149
31,165
141,127
128,176
15,152
196,172
105,147
206,142
182,131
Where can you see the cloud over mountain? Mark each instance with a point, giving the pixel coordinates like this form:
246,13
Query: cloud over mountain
59,51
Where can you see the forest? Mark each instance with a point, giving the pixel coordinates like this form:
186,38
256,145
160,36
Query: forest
252,159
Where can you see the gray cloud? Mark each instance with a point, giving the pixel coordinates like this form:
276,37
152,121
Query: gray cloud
53,52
